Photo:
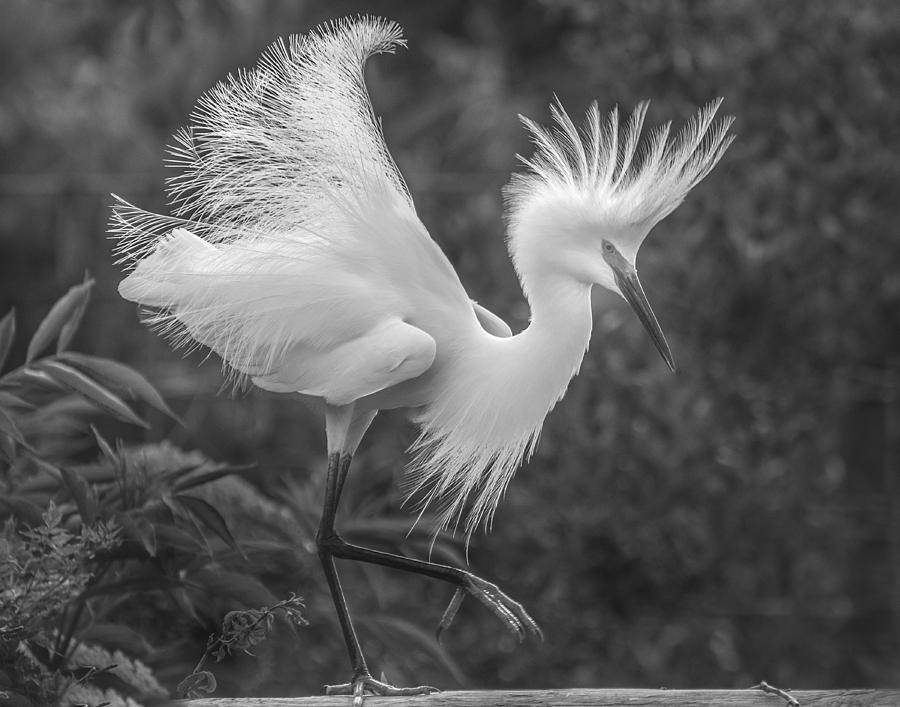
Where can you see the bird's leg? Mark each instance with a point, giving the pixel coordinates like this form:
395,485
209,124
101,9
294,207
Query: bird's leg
362,680
326,527
331,544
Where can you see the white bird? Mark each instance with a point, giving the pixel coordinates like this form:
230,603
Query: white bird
296,255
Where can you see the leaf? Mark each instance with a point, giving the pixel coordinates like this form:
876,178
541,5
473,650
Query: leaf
116,636
413,634
147,583
246,589
7,334
220,471
106,450
196,685
71,326
24,509
174,538
91,390
141,530
66,309
183,601
179,510
209,516
11,400
9,428
7,448
85,500
121,378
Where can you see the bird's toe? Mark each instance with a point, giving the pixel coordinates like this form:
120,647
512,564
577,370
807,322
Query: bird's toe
365,683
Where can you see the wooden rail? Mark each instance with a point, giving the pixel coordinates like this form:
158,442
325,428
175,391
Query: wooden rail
580,698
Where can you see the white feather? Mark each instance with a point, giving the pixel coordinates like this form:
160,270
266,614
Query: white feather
629,183
284,176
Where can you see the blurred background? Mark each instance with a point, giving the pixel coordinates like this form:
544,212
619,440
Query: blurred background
736,521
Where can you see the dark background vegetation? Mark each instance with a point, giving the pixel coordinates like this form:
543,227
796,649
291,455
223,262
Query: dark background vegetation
736,521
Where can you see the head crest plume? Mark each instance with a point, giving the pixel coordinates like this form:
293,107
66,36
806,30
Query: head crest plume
630,181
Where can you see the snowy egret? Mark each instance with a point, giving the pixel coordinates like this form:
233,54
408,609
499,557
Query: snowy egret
295,254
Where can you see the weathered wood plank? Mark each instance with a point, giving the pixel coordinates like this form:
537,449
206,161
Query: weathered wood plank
579,698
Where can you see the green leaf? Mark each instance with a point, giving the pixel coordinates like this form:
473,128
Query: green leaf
81,492
244,588
183,601
7,334
9,428
147,583
24,509
91,390
11,400
172,537
218,472
66,309
71,326
197,685
106,450
209,516
412,634
7,448
121,378
116,636
179,510
141,530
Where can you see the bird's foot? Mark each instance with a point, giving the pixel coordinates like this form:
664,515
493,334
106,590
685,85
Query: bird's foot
363,683
509,611
772,690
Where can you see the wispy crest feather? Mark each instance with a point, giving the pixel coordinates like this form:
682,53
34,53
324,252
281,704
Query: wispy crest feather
279,166
631,181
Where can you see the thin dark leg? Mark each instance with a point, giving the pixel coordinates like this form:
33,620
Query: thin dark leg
362,680
332,545
337,471
506,609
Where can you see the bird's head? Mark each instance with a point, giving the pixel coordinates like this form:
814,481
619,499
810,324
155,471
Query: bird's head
590,197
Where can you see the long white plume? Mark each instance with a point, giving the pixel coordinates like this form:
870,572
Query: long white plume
630,181
281,172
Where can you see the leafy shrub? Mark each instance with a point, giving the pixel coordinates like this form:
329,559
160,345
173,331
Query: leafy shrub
82,539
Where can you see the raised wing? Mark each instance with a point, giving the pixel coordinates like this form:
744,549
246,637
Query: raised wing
293,232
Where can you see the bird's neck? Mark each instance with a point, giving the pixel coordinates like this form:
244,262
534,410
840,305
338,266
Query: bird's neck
550,350
493,398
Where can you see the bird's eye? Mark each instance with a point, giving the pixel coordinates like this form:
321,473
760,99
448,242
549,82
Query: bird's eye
609,247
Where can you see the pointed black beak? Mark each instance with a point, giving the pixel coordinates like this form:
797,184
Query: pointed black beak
630,286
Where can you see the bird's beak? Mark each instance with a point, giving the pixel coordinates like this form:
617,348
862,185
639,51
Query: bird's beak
630,287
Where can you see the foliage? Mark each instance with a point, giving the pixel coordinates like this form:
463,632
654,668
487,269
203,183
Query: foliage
81,540
241,631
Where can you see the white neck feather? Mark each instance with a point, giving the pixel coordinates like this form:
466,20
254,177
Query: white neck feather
548,353
494,400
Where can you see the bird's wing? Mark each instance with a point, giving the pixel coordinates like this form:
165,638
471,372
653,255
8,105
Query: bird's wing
306,324
269,149
293,234
490,322
290,149
390,353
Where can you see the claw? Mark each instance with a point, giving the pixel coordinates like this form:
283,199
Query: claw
450,612
509,611
366,683
772,690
